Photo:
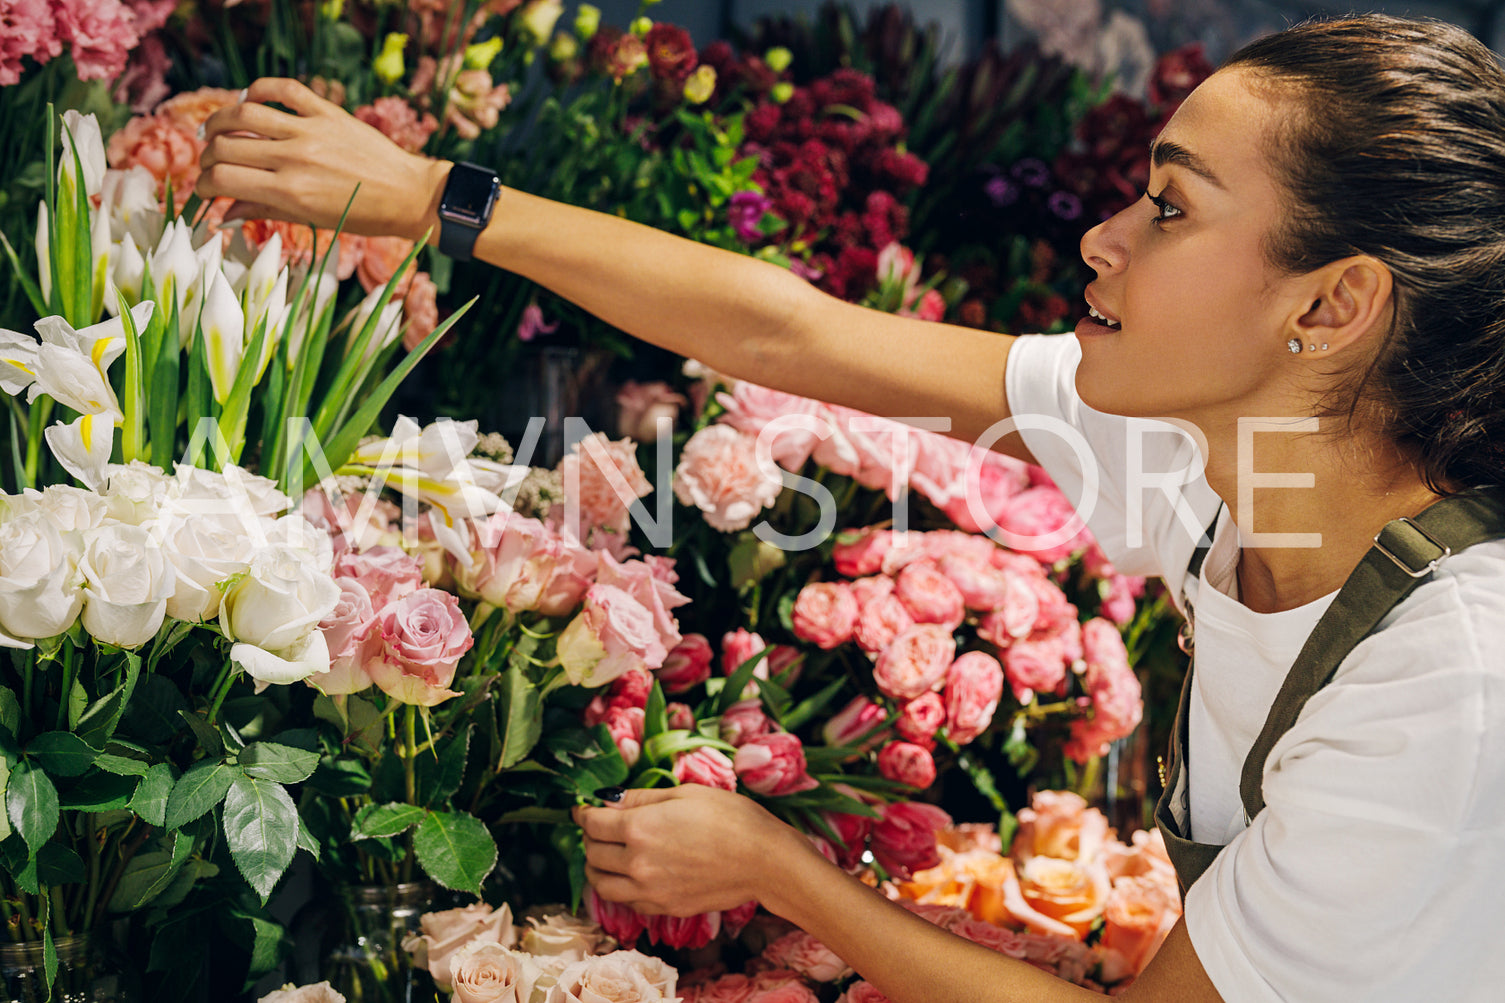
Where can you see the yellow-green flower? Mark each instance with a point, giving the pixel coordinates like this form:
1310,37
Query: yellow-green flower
782,92
587,21
700,85
388,66
641,26
480,55
778,58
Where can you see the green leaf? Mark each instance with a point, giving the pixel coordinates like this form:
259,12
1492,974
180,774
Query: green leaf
455,849
306,841
150,873
437,779
97,724
520,713
209,739
376,821
281,763
122,766
655,715
806,709
340,777
62,753
736,683
261,830
31,802
198,791
98,792
59,865
162,406
150,799
536,813
10,710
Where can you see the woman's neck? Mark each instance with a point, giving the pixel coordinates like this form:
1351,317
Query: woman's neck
1309,509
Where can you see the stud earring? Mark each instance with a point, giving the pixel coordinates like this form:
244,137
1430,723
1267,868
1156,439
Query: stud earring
1294,345
1324,346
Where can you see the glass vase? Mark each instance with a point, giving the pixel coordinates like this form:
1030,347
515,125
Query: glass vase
363,956
87,972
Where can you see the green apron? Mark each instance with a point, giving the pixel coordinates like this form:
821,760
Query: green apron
1404,555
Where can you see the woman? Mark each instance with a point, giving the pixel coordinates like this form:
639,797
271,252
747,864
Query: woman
1314,284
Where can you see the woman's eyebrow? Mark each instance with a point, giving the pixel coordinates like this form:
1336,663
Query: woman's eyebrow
1165,151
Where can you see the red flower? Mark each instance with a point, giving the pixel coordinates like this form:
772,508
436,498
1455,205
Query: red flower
671,53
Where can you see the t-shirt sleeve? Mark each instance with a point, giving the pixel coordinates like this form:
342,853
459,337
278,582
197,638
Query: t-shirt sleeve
1373,872
1137,482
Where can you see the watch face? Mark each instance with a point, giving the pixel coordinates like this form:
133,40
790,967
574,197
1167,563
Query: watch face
469,194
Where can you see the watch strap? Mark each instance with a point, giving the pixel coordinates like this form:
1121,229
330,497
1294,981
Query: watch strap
456,239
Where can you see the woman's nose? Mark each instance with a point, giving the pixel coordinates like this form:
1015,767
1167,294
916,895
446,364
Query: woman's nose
1104,247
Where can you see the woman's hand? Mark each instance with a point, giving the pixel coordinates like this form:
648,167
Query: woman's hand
685,850
303,167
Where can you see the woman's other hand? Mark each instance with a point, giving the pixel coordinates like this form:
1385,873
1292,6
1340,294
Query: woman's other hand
302,166
685,850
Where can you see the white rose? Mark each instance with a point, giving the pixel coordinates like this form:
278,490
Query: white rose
297,531
319,992
135,491
68,508
40,587
127,581
619,977
273,609
249,492
204,552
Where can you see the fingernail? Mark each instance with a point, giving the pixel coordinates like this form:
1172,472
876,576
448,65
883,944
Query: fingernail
241,97
610,793
201,129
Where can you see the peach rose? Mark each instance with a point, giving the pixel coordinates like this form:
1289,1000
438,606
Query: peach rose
1070,891
1059,824
486,972
319,992
1136,919
915,662
299,248
443,933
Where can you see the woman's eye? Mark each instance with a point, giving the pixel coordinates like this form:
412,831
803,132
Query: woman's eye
1163,210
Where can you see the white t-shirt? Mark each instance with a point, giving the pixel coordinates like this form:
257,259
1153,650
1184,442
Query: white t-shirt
1375,872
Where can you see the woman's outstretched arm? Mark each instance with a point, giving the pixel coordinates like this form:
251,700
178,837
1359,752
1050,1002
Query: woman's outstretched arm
744,317
686,850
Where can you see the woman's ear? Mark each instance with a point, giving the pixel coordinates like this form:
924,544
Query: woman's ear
1348,299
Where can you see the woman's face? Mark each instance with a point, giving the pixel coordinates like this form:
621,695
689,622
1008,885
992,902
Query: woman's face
1201,315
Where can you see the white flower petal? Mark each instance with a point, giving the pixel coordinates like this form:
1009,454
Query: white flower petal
83,447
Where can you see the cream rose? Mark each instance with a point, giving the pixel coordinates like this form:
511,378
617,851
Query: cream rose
442,934
487,972
273,610
619,977
40,586
134,491
319,992
562,935
127,582
203,553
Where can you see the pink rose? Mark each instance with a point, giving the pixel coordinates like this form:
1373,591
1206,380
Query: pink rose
1015,616
750,408
443,933
974,685
737,647
727,989
860,723
862,992
824,614
903,840
871,589
860,552
623,923
1035,666
687,665
705,766
982,586
491,973
348,632
773,765
522,564
423,637
718,474
907,763
989,483
388,573
920,718
916,662
601,481
626,727
684,932
1041,522
640,405
612,634
647,583
744,721
880,623
929,596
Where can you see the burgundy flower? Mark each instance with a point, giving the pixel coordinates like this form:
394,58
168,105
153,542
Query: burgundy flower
671,53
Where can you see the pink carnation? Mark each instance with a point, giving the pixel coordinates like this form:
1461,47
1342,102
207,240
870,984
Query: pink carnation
168,152
751,408
719,475
27,29
99,33
601,481
396,119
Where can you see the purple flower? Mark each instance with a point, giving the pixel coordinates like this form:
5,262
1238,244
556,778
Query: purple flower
1031,172
745,212
1001,191
532,324
1065,205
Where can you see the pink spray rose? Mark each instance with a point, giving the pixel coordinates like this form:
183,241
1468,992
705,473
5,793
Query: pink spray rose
348,632
880,623
718,474
1041,522
1113,689
907,763
687,665
862,992
929,596
974,685
920,718
1015,615
861,552
613,633
774,765
903,840
1035,666
982,586
916,662
870,589
709,767
423,637
824,614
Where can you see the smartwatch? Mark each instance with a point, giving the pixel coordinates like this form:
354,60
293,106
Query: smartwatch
465,208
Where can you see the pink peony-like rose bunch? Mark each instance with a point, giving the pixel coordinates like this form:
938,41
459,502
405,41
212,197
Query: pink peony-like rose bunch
718,474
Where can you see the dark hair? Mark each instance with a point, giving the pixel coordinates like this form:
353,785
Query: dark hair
1398,152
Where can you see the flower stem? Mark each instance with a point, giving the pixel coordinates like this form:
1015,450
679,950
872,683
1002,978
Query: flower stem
221,689
410,753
